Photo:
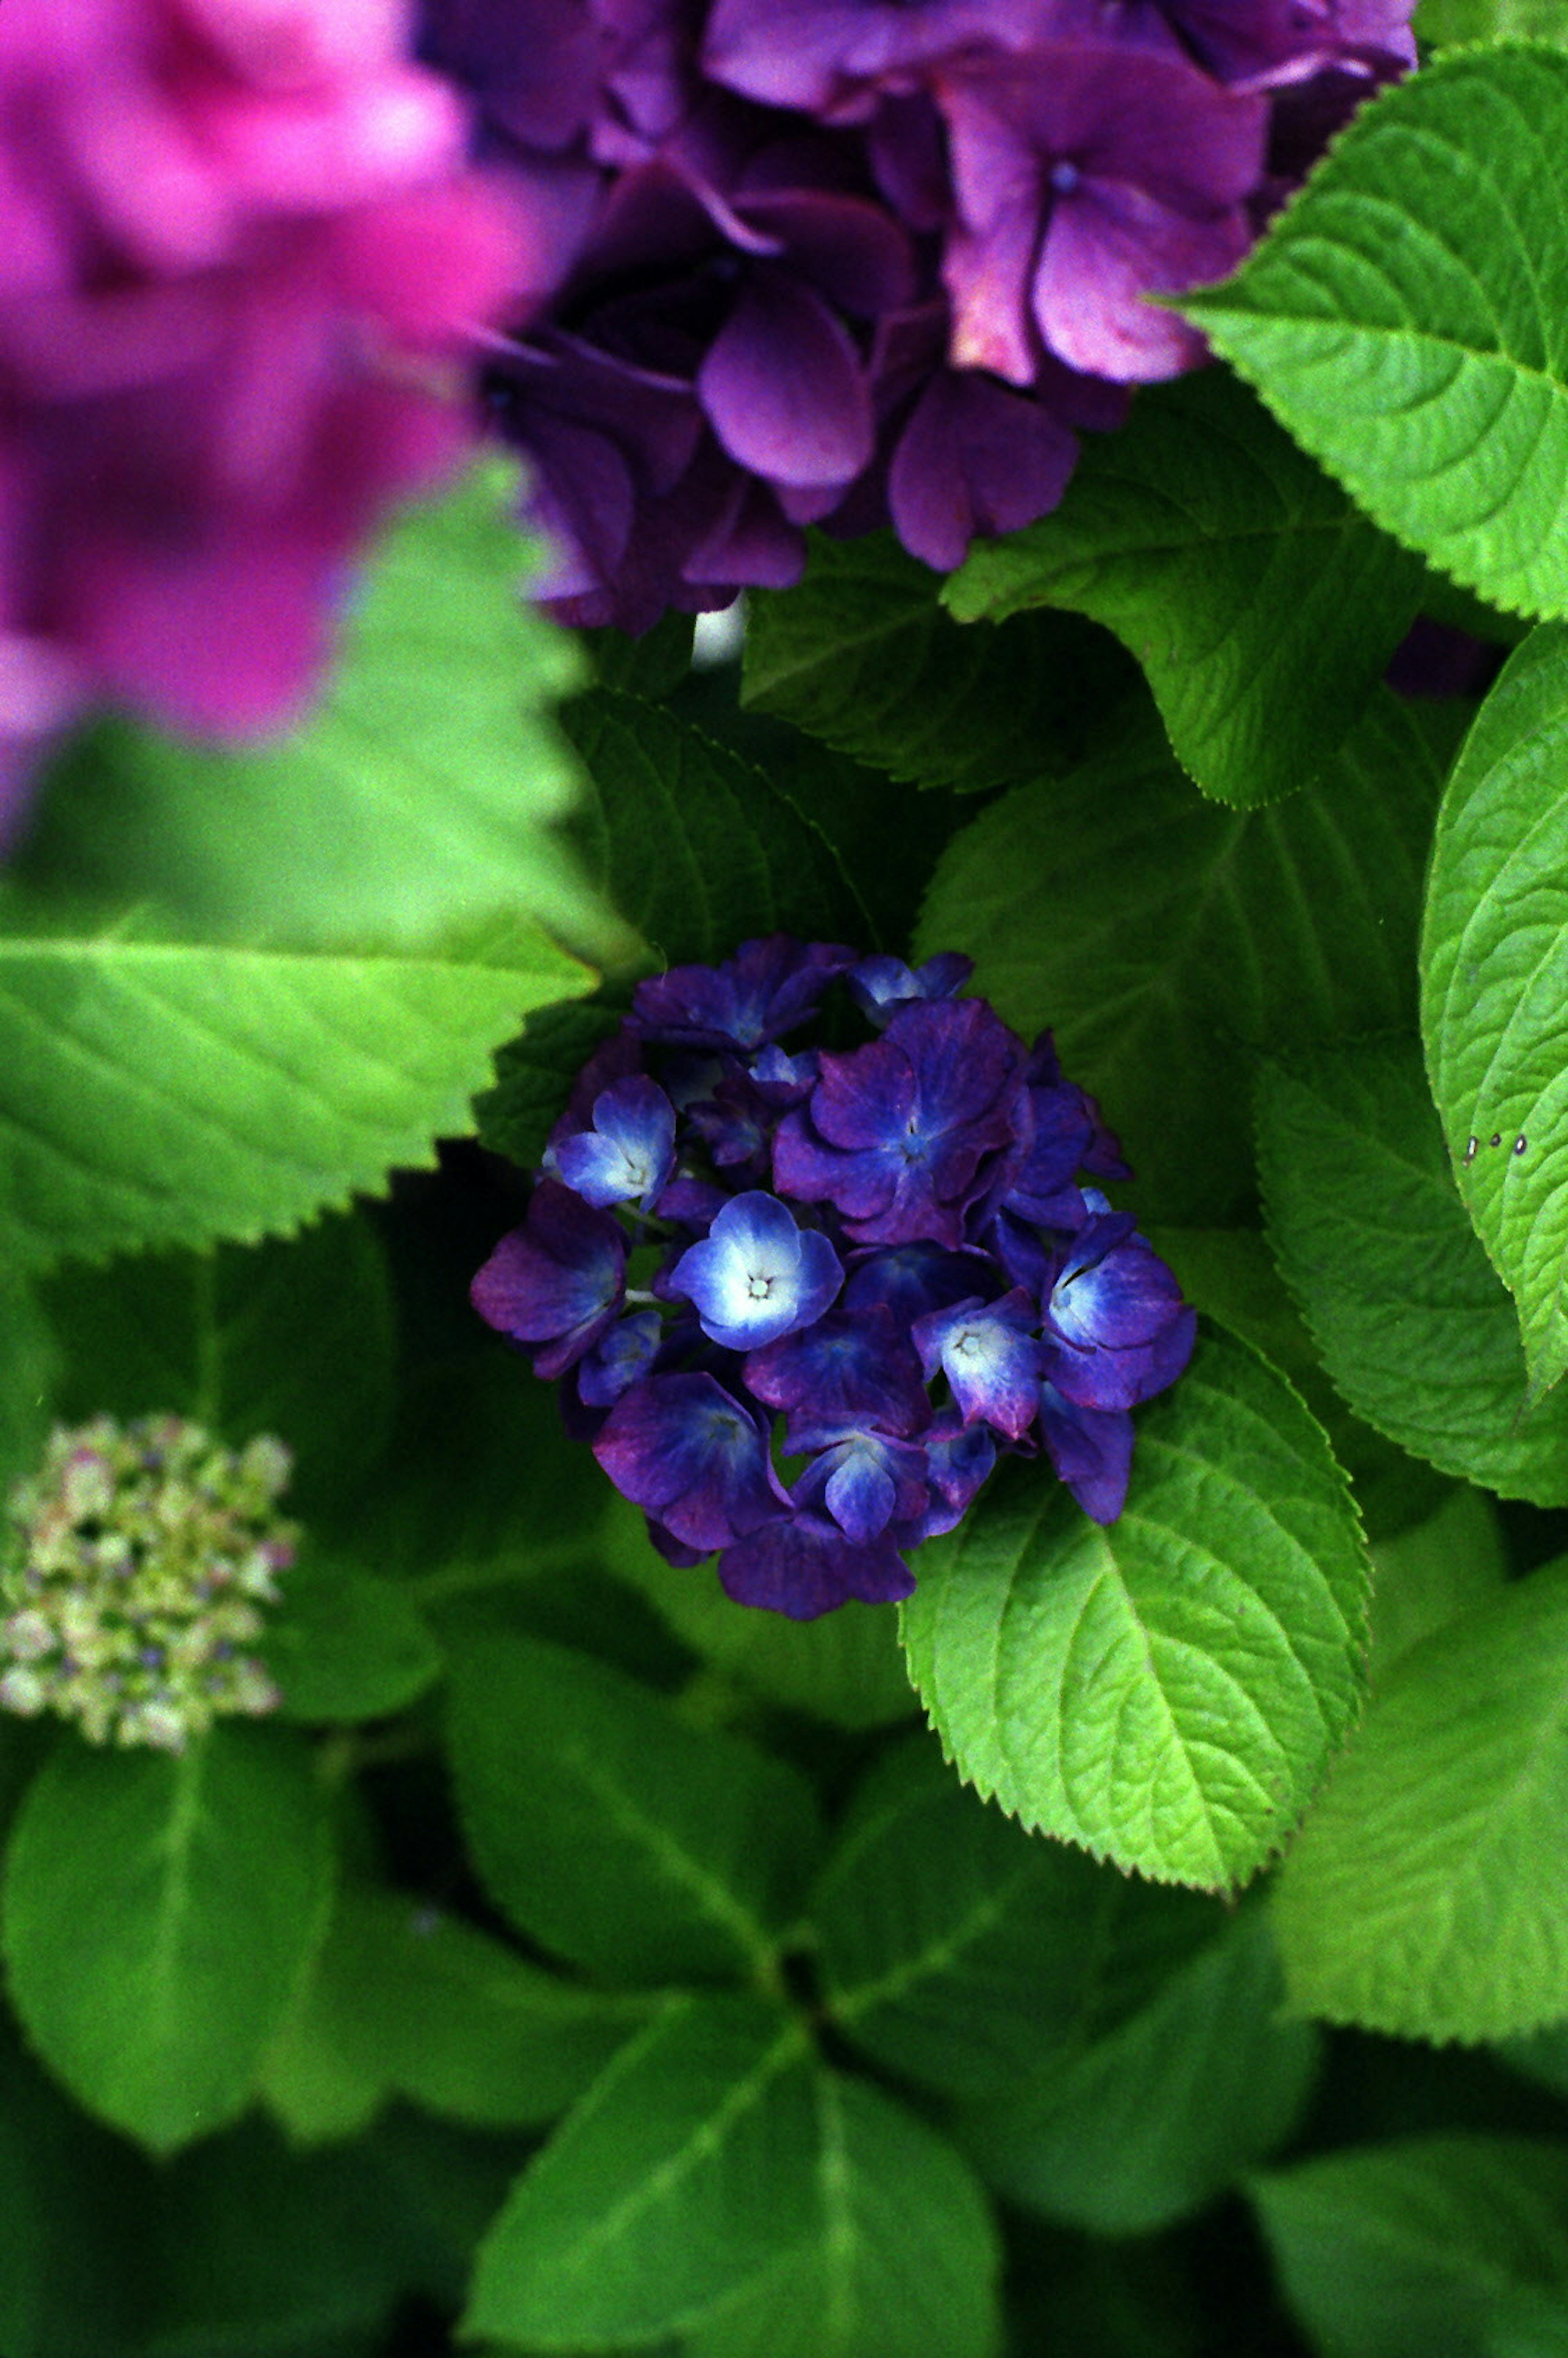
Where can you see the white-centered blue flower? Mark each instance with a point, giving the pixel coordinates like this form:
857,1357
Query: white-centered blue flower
755,1275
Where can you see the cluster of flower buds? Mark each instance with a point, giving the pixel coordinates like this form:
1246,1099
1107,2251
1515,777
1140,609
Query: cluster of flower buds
802,1298
858,262
147,1551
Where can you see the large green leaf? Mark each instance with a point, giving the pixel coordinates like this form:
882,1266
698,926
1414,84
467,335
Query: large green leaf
1402,318
1230,1275
613,1833
1427,1575
955,1948
423,795
1260,602
1428,1892
901,2260
1495,995
1163,939
862,655
1415,1329
685,2170
292,1338
1151,2120
236,986
160,1915
1168,1690
167,1092
696,847
1437,2243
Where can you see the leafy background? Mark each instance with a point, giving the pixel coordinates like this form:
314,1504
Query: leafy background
1155,1939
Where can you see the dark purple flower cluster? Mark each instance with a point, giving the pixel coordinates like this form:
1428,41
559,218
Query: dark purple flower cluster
855,262
801,1299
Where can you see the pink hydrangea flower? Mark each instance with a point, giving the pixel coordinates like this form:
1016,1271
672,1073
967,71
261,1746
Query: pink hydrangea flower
239,253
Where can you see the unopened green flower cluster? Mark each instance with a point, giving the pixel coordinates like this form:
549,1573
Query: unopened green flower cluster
147,1551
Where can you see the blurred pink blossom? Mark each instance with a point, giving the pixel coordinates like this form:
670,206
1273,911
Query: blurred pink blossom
240,260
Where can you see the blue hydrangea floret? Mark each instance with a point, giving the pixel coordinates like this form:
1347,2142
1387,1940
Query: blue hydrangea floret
801,1298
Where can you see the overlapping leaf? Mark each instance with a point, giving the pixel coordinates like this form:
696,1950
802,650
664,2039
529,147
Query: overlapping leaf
162,1093
160,1915
1147,2122
846,1668
1428,1892
1261,604
902,2259
1166,1691
956,1949
1403,319
693,845
235,987
1161,937
292,1338
632,1845
862,655
685,2170
1495,1005
411,2000
1438,2243
1414,1327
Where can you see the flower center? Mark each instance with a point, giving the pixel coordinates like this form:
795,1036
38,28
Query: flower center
758,1286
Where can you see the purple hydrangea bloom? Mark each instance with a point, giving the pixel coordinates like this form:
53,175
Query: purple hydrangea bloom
991,1355
755,1276
826,1368
896,1133
859,262
768,987
557,1281
686,1450
629,1153
1116,1330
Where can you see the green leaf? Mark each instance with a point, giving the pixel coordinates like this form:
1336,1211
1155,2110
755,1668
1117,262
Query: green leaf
423,796
1427,1894
1443,24
683,2171
344,1646
1541,2055
954,1947
160,1915
1168,1690
696,849
1398,2251
1260,602
613,1833
407,1997
862,656
1494,956
1230,1275
1163,939
165,1093
846,1668
1151,2121
29,1371
1402,317
1426,1576
902,2258
292,1338
1371,1236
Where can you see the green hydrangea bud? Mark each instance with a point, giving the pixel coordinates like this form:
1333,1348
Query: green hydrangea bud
143,1556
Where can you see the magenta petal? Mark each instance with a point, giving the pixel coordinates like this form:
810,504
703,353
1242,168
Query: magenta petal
784,387
1108,246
